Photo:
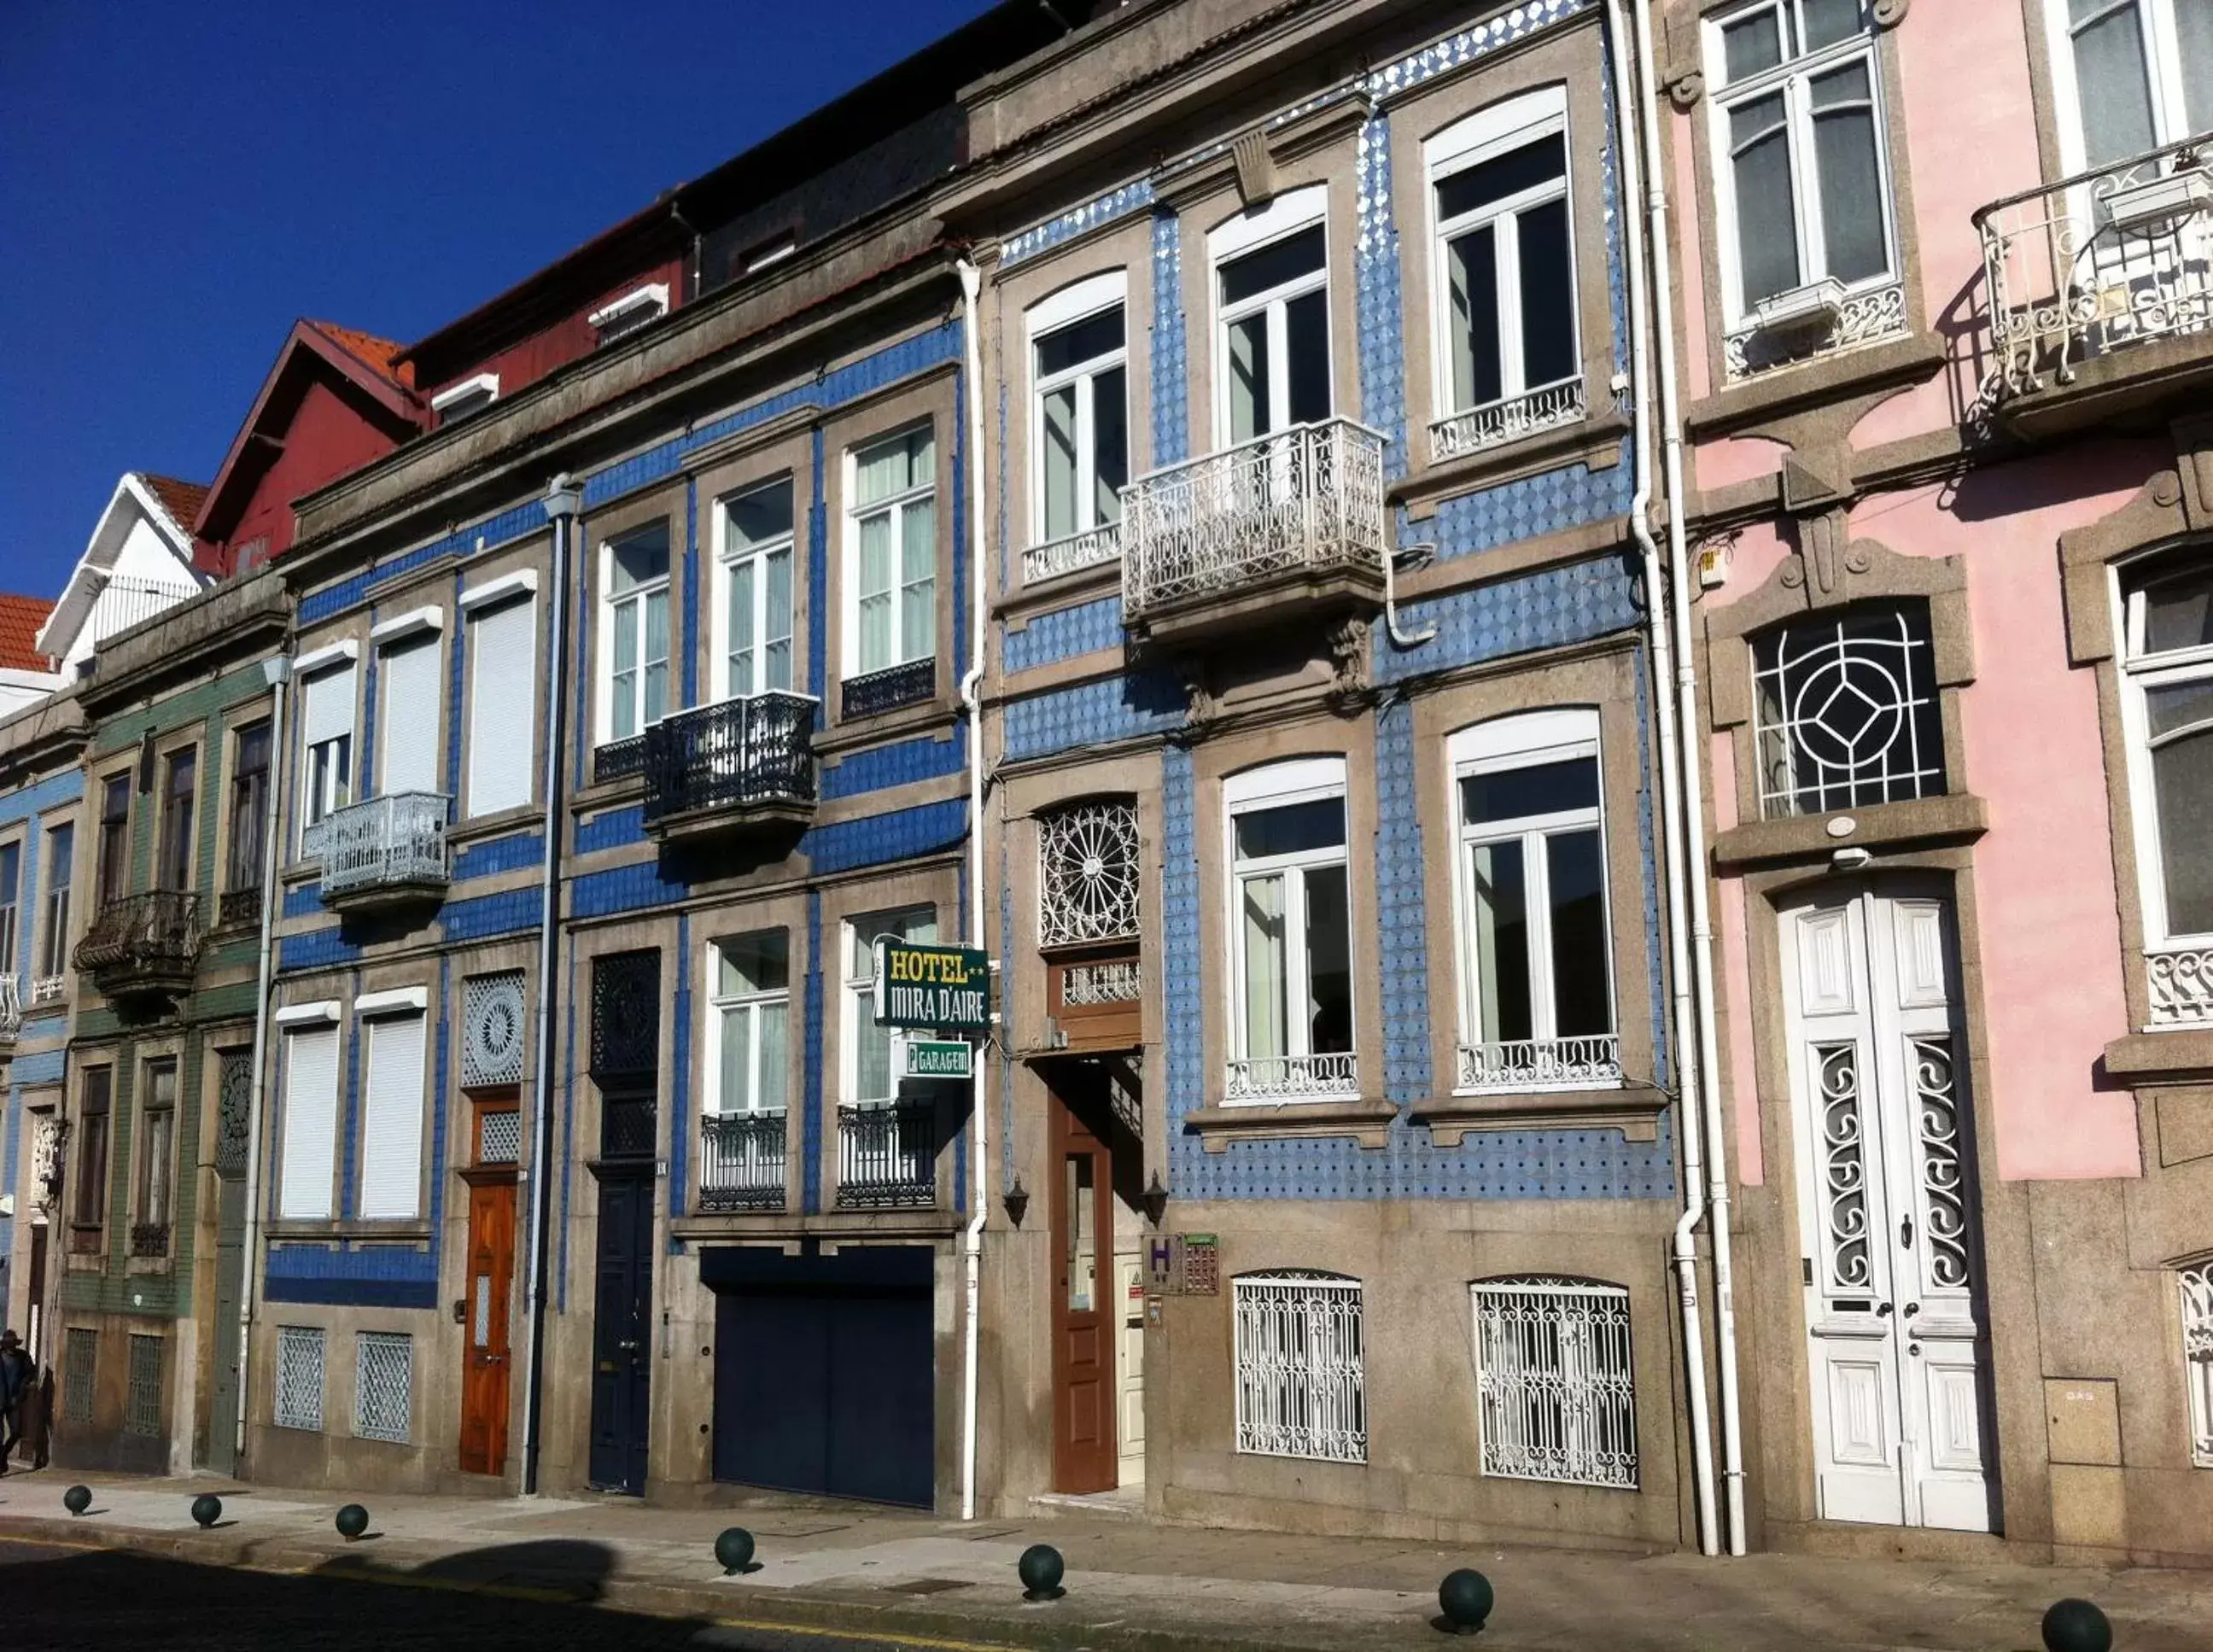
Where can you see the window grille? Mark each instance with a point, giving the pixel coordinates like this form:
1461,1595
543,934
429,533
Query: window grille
1556,1394
300,1377
2197,1282
234,1113
141,1407
1088,875
1302,1383
1848,712
384,1385
499,1136
626,1016
81,1349
491,1029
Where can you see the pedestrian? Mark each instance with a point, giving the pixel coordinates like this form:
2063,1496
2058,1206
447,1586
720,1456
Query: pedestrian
17,1372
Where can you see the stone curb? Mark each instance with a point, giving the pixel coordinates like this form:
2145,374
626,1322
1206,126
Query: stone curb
1044,1629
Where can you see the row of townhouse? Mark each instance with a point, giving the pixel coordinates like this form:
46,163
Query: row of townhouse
1499,621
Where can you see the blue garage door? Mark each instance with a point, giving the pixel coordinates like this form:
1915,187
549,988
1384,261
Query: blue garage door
824,1371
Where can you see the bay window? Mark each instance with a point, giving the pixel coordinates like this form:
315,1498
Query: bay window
634,632
2167,674
1271,297
753,571
1290,934
1535,963
891,567
1080,416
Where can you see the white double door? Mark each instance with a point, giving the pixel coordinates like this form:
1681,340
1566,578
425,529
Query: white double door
1897,1348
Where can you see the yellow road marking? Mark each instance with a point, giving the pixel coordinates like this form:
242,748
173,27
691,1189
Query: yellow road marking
871,1637
50,1542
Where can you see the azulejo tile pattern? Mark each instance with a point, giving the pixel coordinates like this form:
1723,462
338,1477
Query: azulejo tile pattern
1376,301
1400,871
1516,23
491,915
899,764
509,853
811,1083
1171,363
1064,633
1651,866
1131,197
1125,707
383,1275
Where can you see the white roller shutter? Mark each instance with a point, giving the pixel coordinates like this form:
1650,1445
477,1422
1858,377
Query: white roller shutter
410,713
503,705
311,1118
392,1119
328,712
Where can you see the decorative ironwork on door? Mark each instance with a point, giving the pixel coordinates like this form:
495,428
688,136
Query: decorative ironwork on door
626,1016
233,1112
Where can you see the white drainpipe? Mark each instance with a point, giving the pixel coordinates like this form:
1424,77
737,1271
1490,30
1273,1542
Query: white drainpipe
1694,819
971,697
278,673
1683,1246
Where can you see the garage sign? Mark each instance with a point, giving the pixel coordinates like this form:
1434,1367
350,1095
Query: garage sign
921,1058
935,989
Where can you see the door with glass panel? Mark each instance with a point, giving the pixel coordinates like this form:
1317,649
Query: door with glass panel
1896,1333
1083,1312
1292,934
1536,974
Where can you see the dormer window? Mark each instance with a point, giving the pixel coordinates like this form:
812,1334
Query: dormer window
633,310
774,250
457,401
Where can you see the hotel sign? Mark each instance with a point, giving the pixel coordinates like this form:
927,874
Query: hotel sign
932,989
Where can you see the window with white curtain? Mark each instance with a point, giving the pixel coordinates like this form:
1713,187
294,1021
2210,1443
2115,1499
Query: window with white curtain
868,1047
309,1125
1801,164
502,643
1504,273
408,721
2141,75
749,1003
392,1117
2167,709
1272,303
327,741
633,631
753,574
1290,934
1536,969
891,557
1080,413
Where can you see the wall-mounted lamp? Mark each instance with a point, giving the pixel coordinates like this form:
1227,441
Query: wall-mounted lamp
1155,1198
1849,859
1017,1198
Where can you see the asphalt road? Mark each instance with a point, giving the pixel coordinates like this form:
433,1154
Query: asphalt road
59,1598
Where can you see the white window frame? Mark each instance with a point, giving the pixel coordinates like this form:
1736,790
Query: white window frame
2139,674
605,651
1081,302
376,1014
1593,1383
1524,740
485,385
624,313
1332,1424
2170,113
11,900
896,506
857,969
727,556
2194,1283
328,778
1300,780
1466,144
1792,77
480,773
721,1008
57,842
1288,214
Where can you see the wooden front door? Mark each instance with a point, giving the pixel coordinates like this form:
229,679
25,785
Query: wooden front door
1084,1317
484,1363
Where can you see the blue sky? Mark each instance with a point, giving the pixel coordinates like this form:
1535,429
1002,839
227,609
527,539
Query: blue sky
179,181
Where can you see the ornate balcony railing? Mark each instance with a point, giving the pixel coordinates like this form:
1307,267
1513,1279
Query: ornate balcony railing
11,1007
48,988
887,1155
889,689
1293,1078
1305,500
1503,421
2181,982
145,942
389,845
2096,263
1536,1063
617,759
741,1161
238,908
752,752
150,1239
1072,552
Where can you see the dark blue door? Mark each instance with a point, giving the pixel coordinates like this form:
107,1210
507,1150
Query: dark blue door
622,1338
824,1372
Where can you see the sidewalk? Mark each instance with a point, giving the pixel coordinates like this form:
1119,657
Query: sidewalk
1131,1584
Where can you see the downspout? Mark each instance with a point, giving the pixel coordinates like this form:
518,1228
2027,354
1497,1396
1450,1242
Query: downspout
563,499
1694,819
277,673
1683,1247
971,695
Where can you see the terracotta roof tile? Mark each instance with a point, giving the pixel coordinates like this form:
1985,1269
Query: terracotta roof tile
377,352
20,620
182,500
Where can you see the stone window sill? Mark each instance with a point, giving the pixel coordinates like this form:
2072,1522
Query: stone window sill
1796,386
1632,1109
1960,818
1366,1120
2172,1052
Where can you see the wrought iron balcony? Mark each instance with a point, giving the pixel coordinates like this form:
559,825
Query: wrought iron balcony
1213,545
150,1239
2100,288
239,909
144,945
11,1007
1071,553
1503,421
48,988
1541,1064
741,1157
386,851
887,1155
1293,1078
888,690
617,759
739,762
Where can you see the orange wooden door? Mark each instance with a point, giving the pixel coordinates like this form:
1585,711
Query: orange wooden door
485,1323
1083,1320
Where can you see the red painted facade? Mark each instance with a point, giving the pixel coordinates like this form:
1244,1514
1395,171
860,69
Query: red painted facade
531,358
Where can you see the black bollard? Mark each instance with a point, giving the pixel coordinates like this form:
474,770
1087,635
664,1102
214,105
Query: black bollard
2072,1625
1465,1598
734,1547
78,1499
352,1521
207,1508
1041,1570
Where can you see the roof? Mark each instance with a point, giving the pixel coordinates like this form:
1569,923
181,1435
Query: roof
381,354
20,618
182,500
